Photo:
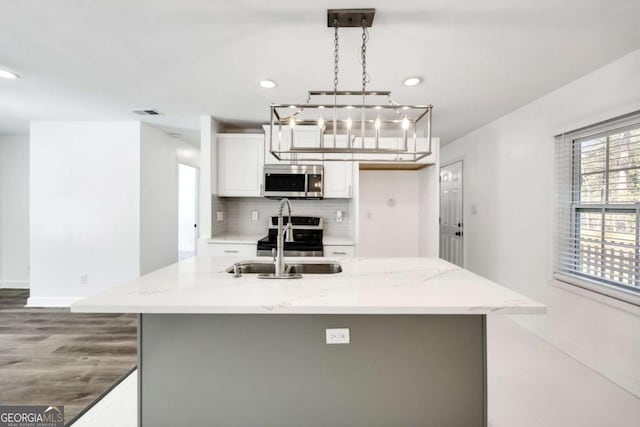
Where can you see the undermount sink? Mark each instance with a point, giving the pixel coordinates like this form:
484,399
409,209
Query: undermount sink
293,268
315,268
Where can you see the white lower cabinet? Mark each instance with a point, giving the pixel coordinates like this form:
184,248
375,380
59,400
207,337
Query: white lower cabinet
339,251
231,249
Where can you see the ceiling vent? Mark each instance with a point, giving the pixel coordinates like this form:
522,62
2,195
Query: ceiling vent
147,112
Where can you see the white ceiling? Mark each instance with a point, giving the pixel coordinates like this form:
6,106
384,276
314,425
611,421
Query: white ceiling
98,60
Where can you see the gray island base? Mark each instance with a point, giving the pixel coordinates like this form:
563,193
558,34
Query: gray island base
222,351
277,370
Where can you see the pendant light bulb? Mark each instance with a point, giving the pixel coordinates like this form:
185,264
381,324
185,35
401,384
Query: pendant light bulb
349,123
377,123
321,123
405,123
292,122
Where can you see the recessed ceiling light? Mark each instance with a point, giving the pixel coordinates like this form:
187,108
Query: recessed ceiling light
412,81
268,84
8,75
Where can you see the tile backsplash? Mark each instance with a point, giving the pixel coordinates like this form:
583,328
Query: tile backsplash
218,204
238,211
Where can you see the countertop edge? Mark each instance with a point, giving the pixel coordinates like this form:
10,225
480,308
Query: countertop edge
515,310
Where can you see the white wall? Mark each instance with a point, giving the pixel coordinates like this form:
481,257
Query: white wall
389,213
188,153
208,179
411,227
104,206
14,211
508,170
429,200
84,208
158,199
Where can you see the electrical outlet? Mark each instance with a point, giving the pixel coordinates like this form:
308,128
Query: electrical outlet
220,216
338,336
84,279
254,215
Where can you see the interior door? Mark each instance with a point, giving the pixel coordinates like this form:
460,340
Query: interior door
187,210
451,221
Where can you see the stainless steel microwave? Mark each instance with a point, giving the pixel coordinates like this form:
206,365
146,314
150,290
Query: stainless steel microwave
293,181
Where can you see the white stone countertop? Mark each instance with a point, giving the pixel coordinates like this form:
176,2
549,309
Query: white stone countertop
338,241
242,239
365,286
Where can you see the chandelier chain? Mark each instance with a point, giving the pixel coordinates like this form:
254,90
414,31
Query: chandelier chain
336,57
362,127
363,55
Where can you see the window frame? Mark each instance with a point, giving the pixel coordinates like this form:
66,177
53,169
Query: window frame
599,284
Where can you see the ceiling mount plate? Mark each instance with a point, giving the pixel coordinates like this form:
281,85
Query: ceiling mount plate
350,17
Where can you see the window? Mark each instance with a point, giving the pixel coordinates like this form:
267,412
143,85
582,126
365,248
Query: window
598,208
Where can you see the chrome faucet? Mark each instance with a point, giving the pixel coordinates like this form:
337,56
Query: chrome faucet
285,234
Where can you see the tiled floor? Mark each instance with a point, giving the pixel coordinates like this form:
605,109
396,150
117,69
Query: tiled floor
534,384
531,384
52,356
118,408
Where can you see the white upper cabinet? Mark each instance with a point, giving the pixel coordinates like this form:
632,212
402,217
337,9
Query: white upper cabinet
307,137
304,136
284,139
240,165
338,179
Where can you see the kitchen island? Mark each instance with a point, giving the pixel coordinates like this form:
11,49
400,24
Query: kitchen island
215,349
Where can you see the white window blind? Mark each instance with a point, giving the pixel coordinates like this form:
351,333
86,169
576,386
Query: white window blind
598,207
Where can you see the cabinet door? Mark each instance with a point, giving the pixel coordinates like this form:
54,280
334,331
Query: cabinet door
231,249
338,179
284,139
304,136
307,137
240,165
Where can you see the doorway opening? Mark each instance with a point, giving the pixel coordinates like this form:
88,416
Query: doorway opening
451,214
188,177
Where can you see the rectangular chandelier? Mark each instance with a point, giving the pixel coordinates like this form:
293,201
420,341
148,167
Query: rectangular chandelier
361,125
350,126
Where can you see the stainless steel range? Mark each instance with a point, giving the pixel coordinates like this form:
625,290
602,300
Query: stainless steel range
307,237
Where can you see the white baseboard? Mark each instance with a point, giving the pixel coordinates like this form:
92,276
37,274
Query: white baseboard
14,284
51,301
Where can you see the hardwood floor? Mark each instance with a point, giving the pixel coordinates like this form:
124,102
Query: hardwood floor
50,355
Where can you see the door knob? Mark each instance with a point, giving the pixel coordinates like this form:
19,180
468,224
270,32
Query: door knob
458,233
